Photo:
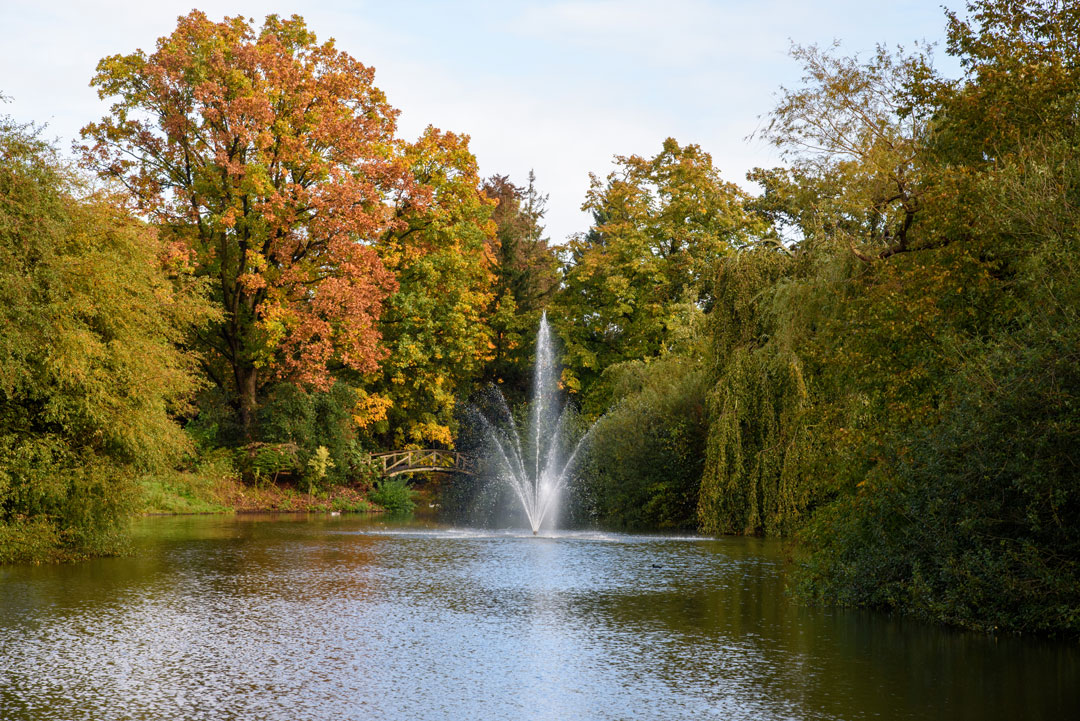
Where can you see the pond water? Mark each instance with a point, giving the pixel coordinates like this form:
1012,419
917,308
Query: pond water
356,618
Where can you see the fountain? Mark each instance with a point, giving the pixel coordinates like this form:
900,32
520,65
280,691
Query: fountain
531,463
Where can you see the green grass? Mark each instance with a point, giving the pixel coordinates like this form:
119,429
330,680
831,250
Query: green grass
180,492
195,491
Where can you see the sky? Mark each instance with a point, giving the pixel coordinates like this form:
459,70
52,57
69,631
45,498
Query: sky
557,87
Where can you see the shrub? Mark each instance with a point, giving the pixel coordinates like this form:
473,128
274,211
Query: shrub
395,495
645,456
308,421
269,460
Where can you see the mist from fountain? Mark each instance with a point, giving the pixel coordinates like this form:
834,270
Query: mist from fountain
532,461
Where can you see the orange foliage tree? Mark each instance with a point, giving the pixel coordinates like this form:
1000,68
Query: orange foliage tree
272,160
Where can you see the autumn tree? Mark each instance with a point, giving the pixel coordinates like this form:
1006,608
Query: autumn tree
434,325
272,157
635,278
853,135
526,273
1021,77
980,499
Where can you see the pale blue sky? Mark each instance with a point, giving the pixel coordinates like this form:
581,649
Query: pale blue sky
560,87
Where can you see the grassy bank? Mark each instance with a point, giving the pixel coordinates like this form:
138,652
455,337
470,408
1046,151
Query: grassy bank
193,492
214,486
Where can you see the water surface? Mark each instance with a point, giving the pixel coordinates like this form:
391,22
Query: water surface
351,618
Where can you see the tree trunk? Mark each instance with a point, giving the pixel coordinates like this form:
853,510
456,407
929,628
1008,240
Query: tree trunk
245,387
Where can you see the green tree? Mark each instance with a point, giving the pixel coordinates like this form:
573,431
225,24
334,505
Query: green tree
635,278
526,271
966,517
829,353
644,457
434,325
971,520
90,374
854,135
901,376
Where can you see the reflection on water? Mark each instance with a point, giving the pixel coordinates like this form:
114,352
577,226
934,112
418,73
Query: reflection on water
349,618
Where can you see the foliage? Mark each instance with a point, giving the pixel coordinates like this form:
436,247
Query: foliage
877,354
905,380
269,157
395,495
631,282
526,271
89,368
645,454
320,463
1019,61
190,491
433,326
831,357
759,473
853,133
306,420
264,462
971,525
970,521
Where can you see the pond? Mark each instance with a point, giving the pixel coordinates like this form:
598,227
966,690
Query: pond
291,618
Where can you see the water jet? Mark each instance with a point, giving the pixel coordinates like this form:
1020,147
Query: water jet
530,461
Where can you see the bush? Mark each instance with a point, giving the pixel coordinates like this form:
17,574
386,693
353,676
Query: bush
57,505
645,456
268,461
395,495
974,524
197,490
309,421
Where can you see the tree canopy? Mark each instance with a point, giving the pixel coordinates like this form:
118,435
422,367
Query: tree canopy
272,158
635,277
94,305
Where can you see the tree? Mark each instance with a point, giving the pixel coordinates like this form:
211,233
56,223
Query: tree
642,466
635,278
971,520
90,372
1020,77
272,157
900,391
434,325
526,278
855,131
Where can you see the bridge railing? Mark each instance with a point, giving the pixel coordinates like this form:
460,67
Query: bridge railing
425,459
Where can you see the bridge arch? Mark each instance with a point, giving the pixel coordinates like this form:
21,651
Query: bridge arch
395,463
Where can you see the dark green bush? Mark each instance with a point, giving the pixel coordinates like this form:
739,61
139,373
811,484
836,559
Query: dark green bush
308,420
644,459
395,495
269,461
973,521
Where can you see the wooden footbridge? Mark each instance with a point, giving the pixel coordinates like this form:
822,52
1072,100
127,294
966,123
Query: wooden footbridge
395,463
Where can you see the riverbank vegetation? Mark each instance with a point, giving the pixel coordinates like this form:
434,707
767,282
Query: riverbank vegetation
892,365
253,283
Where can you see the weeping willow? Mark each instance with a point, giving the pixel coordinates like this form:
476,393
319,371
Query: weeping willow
783,414
756,449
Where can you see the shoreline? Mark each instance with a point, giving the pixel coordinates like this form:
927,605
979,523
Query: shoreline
192,493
